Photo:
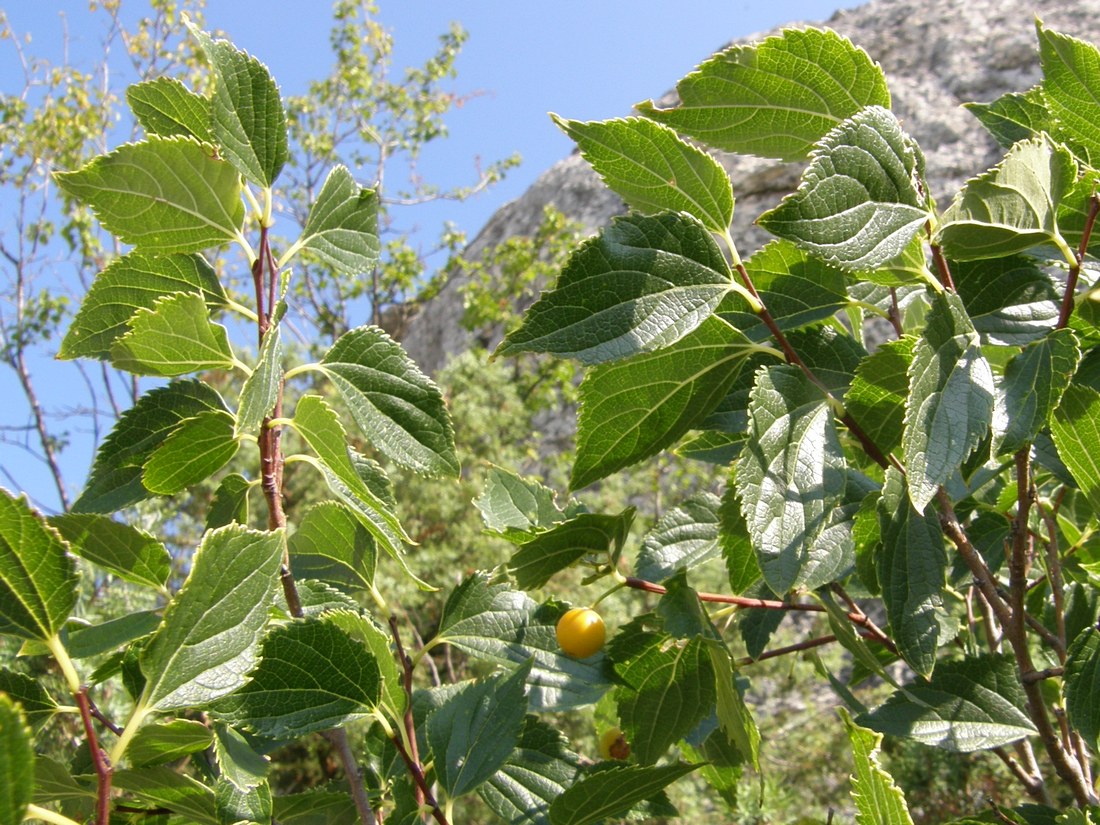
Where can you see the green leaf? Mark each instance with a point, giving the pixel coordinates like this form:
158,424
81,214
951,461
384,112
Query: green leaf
775,98
163,787
312,676
791,479
642,284
511,504
261,389
164,106
877,396
1075,428
475,731
230,502
238,762
536,561
653,170
1082,696
613,791
330,545
38,706
733,715
506,627
133,282
168,741
668,687
115,479
858,204
878,800
83,641
342,227
248,121
54,783
163,195
1014,117
319,806
175,337
193,452
683,537
950,404
235,805
1013,206
1011,301
398,408
912,573
207,642
379,643
735,542
38,578
538,771
972,704
16,762
1033,384
1071,89
129,553
631,410
317,423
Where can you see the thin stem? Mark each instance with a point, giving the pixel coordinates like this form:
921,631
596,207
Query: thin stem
808,644
1034,785
46,815
1054,575
339,739
103,769
942,269
1075,270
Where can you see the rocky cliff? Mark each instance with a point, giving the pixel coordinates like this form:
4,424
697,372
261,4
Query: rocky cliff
937,54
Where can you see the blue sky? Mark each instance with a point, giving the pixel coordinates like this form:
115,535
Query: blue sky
583,59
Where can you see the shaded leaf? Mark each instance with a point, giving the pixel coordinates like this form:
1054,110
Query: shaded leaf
1075,428
163,787
1082,686
613,792
538,771
683,537
380,645
1011,301
168,741
332,546
238,761
230,502
1031,389
1014,116
16,762
261,388
551,551
37,705
877,396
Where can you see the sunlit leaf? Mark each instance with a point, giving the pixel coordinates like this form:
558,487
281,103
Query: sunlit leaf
164,106
342,227
878,800
126,551
175,337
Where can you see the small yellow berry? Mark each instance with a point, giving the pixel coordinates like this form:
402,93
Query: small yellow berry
613,744
581,632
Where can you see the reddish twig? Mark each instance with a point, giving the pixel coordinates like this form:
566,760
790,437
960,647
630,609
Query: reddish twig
103,769
1075,271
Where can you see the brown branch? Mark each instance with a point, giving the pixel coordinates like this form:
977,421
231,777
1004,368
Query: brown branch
103,769
808,644
942,269
1034,785
1075,270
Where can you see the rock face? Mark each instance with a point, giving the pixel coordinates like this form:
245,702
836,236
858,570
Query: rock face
937,54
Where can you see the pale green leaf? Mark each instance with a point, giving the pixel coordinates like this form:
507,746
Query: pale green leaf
175,337
1075,428
194,451
168,741
54,783
130,283
510,503
16,762
653,170
878,800
536,561
379,643
734,717
791,478
164,106
631,410
312,676
330,545
858,204
236,805
683,537
162,195
613,791
775,98
538,771
261,389
1071,90
207,642
342,227
1031,389
248,122
1082,685
1013,206
85,640
164,787
877,396
1014,116
640,285
126,551
950,405
398,408
238,762
38,706
38,578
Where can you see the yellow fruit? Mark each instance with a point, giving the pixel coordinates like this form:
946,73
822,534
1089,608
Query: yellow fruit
581,632
613,744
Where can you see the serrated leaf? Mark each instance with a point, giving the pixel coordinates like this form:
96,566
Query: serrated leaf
734,717
538,771
1071,89
475,731
791,478
175,337
164,195
83,641
775,98
879,391
613,792
319,806
858,205
1011,301
248,121
511,503
236,805
133,282
332,546
129,553
207,642
16,762
1014,116
950,404
735,543
312,676
1082,696
168,741
115,479
54,783
1031,389
831,355
683,537
653,170
164,106
379,643
261,388
536,561
38,578
1075,429
912,573
230,502
238,761
506,627
38,706
631,410
193,452
1013,206
878,800
640,285
165,788
971,704
398,408
342,227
